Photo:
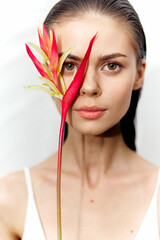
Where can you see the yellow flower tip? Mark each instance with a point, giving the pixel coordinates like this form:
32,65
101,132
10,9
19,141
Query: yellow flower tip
51,36
29,86
59,96
62,59
40,28
29,43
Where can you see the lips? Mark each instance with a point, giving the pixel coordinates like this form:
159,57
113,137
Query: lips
90,112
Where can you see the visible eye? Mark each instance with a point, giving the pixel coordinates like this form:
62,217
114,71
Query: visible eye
69,67
112,67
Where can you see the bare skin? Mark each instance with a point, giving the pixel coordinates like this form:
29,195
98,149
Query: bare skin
106,187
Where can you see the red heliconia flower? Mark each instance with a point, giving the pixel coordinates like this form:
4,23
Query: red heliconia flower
49,46
50,65
50,69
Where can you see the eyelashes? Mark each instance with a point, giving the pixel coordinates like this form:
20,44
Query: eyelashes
69,67
110,68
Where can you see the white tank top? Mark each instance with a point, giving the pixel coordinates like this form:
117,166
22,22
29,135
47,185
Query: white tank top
33,230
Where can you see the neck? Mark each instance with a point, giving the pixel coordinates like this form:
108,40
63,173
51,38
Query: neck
94,156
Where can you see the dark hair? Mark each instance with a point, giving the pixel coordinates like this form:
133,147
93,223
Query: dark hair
119,9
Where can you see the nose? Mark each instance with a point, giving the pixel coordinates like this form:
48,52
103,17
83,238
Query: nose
90,86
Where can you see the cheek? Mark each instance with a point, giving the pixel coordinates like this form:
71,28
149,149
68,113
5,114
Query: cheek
68,80
116,96
120,95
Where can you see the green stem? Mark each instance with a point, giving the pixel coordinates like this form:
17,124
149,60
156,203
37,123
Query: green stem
59,167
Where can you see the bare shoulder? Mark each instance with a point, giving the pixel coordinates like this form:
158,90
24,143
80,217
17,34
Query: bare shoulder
45,168
13,201
159,202
143,173
143,164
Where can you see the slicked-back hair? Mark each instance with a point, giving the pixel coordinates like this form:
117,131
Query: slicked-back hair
118,9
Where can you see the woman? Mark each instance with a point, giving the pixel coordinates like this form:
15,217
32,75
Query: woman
108,191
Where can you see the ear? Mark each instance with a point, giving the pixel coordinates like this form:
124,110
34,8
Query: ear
140,75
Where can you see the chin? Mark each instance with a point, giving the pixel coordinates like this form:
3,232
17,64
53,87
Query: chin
97,129
90,132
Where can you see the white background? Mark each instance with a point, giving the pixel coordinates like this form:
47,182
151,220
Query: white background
29,121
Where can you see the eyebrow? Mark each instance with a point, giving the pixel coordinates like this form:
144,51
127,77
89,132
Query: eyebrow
111,56
101,59
72,57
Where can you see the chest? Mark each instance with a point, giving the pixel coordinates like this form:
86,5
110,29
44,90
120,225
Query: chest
113,211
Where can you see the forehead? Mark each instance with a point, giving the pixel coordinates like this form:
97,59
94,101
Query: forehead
113,34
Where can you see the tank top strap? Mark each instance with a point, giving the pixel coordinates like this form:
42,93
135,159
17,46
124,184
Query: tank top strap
158,178
28,181
158,183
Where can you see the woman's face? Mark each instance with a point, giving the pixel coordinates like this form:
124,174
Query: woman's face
111,73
